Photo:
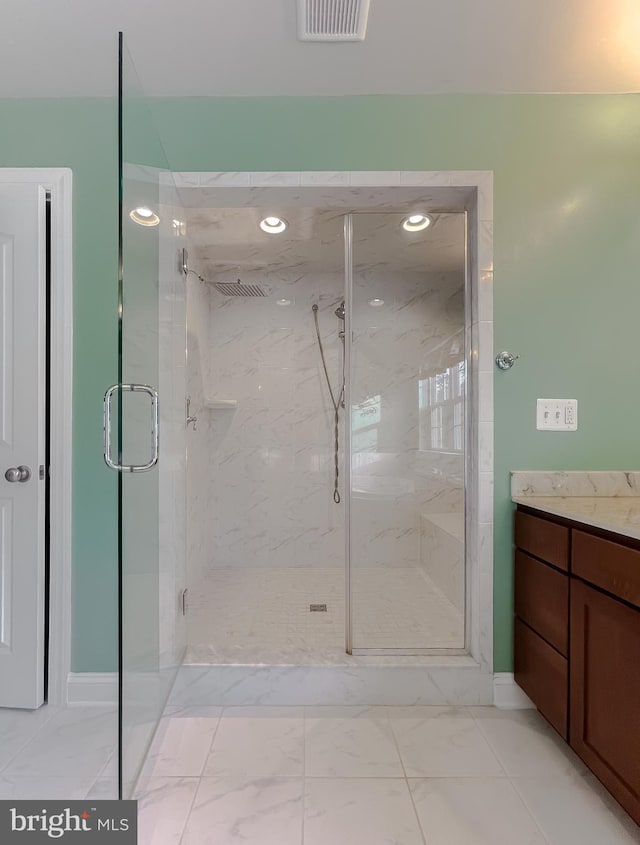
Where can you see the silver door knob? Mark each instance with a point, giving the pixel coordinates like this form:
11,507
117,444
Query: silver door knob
21,473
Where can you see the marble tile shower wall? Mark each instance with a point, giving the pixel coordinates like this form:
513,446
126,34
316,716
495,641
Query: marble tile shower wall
261,476
272,458
403,467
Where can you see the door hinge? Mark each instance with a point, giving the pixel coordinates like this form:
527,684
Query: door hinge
41,474
184,599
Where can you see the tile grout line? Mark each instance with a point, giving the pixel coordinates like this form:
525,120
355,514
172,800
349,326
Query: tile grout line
406,779
28,741
213,739
508,776
487,741
99,775
198,785
514,786
188,816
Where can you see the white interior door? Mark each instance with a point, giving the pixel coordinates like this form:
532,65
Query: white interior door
22,444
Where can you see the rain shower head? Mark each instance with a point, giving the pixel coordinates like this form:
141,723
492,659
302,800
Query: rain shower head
238,288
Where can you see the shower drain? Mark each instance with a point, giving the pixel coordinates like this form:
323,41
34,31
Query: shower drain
318,608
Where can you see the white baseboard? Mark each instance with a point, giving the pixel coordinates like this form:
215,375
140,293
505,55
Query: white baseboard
507,695
92,688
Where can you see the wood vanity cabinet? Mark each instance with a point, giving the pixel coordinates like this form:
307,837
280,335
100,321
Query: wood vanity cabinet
577,642
541,665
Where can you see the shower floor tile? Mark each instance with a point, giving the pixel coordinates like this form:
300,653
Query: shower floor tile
251,608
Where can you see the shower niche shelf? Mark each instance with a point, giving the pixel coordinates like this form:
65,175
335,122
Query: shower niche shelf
221,404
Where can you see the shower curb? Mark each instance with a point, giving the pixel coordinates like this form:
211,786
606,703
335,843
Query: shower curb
200,684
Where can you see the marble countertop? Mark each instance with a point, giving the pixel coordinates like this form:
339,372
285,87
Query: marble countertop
620,514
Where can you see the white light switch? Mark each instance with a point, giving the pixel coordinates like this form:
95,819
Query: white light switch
557,415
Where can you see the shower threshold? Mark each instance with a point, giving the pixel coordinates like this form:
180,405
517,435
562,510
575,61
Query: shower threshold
333,678
247,655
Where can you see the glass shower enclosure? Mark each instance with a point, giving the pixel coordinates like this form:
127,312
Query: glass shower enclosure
408,348
151,363
403,433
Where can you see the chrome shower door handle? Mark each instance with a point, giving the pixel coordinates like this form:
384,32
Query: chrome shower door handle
155,433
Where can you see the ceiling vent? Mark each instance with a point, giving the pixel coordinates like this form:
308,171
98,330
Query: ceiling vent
332,20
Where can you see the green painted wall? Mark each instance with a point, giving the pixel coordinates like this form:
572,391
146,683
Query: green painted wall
567,245
82,135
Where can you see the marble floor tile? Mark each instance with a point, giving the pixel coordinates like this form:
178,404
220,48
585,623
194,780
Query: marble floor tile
111,766
465,797
258,742
106,784
354,811
164,809
574,809
18,727
104,789
34,787
473,811
350,742
525,743
182,742
264,811
76,742
442,742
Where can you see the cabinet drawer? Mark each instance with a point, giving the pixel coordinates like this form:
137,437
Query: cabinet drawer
542,600
542,674
543,539
605,691
611,566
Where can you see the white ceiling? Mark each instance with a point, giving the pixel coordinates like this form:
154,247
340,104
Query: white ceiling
227,243
249,47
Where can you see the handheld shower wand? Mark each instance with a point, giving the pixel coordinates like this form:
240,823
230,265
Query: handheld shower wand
337,403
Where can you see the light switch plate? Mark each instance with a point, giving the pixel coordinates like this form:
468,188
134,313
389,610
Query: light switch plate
557,415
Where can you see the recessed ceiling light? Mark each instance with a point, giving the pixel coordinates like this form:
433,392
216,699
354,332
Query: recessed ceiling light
273,225
283,302
416,222
376,303
144,216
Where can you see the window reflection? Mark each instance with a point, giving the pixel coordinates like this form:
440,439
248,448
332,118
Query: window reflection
441,404
365,418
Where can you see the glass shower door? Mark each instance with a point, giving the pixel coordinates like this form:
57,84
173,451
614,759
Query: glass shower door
407,391
148,398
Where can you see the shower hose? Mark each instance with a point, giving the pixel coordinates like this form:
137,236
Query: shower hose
337,403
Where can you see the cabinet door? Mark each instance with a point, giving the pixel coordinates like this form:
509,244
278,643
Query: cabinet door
605,691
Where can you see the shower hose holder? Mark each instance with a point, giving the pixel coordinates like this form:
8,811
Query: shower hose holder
505,360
